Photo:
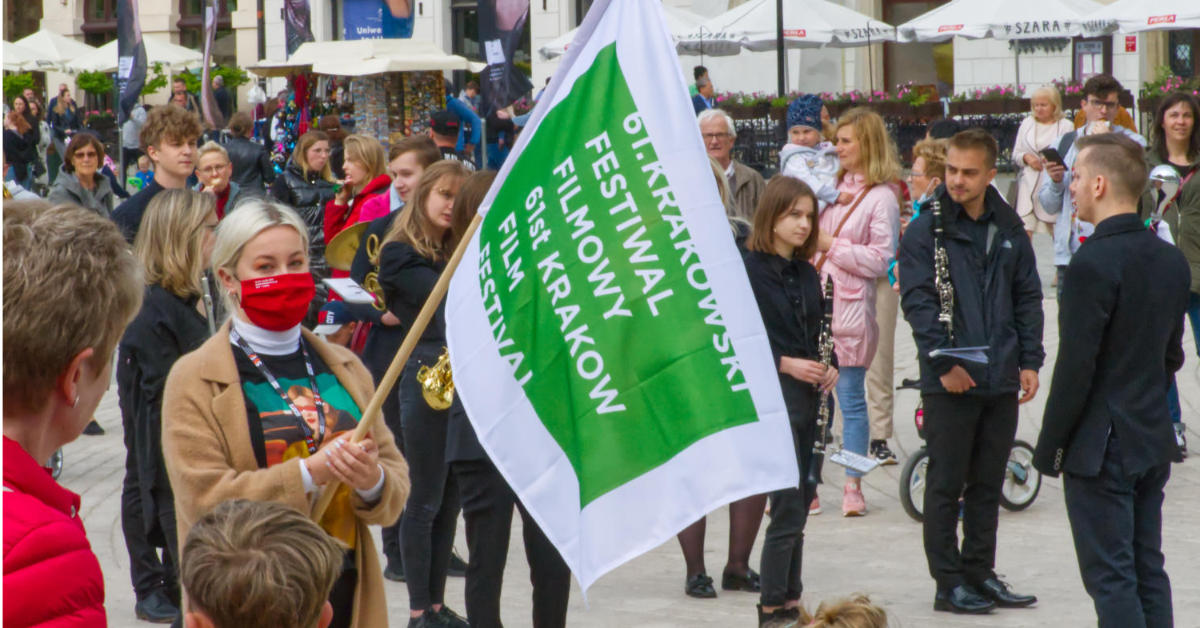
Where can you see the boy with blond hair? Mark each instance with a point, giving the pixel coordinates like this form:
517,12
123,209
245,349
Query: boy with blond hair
253,564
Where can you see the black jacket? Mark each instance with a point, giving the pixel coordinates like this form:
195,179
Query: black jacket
997,298
308,196
407,279
252,167
128,215
1124,297
791,303
166,328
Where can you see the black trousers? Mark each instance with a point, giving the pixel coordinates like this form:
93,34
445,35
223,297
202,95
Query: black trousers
968,438
487,505
783,543
148,571
1116,520
427,528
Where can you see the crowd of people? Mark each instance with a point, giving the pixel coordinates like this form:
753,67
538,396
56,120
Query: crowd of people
241,375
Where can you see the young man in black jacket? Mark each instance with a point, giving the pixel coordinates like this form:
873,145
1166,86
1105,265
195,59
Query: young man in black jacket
971,408
1107,424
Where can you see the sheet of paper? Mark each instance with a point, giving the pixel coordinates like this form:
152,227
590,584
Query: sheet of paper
494,52
349,290
970,354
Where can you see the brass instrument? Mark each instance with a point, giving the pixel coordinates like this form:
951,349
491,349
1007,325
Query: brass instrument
825,352
437,382
941,268
370,282
339,254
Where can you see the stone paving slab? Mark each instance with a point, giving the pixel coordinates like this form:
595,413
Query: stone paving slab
880,554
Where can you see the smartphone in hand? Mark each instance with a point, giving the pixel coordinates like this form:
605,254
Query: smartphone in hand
1051,155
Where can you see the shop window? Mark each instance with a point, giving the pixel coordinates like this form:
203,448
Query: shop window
191,29
1090,57
921,63
99,21
1183,52
581,9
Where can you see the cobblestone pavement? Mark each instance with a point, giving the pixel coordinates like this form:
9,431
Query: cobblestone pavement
880,554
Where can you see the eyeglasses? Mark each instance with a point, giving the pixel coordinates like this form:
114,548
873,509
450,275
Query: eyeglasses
914,174
88,155
708,137
213,170
1104,104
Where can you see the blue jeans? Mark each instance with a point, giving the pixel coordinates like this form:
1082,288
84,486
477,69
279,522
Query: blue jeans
852,394
1193,314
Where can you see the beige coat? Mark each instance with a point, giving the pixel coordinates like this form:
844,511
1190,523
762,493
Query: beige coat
206,444
747,187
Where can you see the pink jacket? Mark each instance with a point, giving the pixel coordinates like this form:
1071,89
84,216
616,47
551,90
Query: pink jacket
859,255
376,207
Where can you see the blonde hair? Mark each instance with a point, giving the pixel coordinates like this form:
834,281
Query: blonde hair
169,243
211,147
412,225
1051,94
306,142
367,151
934,154
70,283
254,564
237,228
877,151
856,611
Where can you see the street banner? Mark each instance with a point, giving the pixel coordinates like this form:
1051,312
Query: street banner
297,24
208,103
377,19
501,26
131,58
604,338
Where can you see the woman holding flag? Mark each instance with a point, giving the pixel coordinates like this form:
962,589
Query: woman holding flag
233,426
788,291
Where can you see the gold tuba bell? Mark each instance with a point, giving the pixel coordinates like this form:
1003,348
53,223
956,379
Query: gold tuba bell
371,280
437,383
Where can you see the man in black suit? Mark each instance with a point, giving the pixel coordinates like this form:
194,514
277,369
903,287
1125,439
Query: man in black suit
1107,424
704,95
971,408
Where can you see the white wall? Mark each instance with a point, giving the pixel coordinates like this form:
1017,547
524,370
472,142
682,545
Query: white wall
984,63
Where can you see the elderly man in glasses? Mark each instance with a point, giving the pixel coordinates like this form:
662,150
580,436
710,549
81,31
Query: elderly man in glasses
745,184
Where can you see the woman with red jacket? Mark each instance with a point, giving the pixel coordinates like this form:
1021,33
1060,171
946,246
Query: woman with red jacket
366,177
57,366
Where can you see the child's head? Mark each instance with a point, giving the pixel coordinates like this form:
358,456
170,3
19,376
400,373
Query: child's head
856,611
786,219
247,564
143,164
804,120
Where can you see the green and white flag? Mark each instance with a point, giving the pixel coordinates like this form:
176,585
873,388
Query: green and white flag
603,335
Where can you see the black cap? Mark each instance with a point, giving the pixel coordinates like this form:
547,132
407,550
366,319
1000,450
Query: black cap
444,123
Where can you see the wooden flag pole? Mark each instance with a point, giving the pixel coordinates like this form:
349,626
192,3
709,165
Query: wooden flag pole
371,415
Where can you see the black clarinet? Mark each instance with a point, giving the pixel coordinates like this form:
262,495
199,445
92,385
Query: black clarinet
941,268
825,348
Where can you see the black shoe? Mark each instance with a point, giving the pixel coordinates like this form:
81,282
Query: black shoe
156,609
741,582
700,585
93,429
779,618
394,571
449,618
881,453
419,621
458,566
964,600
998,591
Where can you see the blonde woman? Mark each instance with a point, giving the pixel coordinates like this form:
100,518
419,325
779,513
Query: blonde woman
857,240
1041,129
414,253
231,430
366,177
173,246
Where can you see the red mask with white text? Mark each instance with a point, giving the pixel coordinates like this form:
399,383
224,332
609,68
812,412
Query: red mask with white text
278,303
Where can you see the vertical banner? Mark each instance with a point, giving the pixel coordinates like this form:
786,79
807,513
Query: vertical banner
604,338
501,25
377,19
297,24
131,58
208,103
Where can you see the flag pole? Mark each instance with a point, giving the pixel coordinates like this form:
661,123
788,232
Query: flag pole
371,415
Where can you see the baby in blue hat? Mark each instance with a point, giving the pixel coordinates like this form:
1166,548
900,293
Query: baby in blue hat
806,156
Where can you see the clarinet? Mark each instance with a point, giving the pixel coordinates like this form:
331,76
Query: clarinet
210,311
825,350
941,267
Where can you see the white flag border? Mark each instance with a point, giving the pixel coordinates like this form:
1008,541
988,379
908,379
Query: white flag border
609,532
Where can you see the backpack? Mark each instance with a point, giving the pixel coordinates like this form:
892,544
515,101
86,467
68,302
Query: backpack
1066,142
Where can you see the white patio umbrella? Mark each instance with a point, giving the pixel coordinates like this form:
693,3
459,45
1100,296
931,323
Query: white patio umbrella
18,58
806,24
679,24
364,57
1007,19
54,49
1133,16
173,57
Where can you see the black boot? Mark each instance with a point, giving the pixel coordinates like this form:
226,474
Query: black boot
778,618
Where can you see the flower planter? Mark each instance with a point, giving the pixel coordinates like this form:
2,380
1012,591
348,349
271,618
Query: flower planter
978,107
747,112
928,111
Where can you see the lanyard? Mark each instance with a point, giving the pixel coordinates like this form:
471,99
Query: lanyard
312,381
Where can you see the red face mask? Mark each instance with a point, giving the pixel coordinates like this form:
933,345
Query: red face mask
277,303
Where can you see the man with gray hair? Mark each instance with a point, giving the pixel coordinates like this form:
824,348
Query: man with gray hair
221,95
745,184
703,100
